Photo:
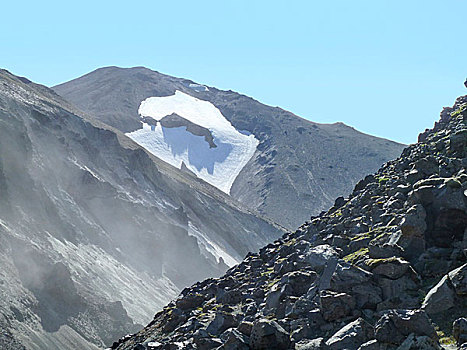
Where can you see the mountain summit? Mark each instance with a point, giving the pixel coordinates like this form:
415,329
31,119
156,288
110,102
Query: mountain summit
271,160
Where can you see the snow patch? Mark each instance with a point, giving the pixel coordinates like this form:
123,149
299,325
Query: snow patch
198,87
220,165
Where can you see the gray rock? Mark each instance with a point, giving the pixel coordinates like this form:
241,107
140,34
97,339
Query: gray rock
221,322
335,306
371,345
268,334
423,342
317,257
395,325
311,344
351,336
392,268
440,298
459,330
458,279
234,340
413,228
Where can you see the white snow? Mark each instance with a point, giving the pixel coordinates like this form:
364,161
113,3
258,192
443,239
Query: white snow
220,165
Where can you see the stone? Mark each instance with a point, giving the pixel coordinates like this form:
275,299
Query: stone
311,344
395,325
221,322
335,306
317,257
245,328
299,281
347,275
267,334
351,336
234,340
367,296
413,227
413,342
459,330
384,251
371,345
189,301
458,278
392,268
440,298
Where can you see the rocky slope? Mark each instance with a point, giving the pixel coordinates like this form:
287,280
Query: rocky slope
296,161
384,268
95,233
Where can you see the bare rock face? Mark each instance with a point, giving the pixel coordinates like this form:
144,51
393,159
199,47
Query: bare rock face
95,233
373,272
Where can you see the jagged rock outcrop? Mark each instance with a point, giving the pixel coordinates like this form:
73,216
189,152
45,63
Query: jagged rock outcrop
382,269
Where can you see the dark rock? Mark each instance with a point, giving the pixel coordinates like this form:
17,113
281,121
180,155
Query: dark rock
351,336
392,268
334,305
311,344
458,278
221,322
440,298
395,325
267,335
459,330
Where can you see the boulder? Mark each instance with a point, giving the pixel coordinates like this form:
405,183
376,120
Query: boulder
311,344
267,334
413,227
367,296
351,336
458,279
347,275
371,345
221,322
335,306
423,342
440,298
189,301
392,268
299,281
459,330
317,257
396,325
234,340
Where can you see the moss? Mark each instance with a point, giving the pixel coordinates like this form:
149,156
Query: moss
459,111
271,283
269,270
290,242
376,262
353,257
361,236
447,340
336,214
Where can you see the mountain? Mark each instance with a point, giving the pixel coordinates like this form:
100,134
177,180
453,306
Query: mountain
269,159
385,268
95,232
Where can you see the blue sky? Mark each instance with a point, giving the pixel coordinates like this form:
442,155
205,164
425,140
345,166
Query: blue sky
384,67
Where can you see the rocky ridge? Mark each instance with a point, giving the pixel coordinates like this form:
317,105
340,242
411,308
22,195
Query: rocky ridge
384,268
